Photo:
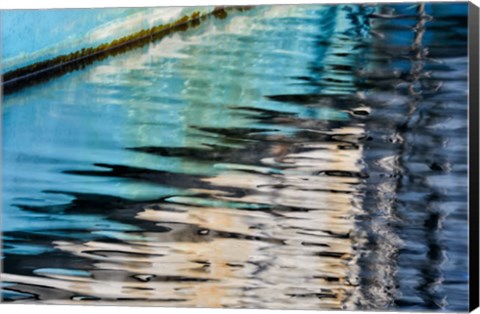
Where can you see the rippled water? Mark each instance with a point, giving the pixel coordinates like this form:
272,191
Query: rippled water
308,157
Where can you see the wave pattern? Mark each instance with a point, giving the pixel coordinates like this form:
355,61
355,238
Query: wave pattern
307,157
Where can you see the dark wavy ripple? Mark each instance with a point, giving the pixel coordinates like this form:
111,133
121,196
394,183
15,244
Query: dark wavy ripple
306,157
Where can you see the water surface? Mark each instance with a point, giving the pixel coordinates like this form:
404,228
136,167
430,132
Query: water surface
304,157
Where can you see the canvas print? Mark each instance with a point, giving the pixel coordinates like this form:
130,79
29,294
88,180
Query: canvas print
281,157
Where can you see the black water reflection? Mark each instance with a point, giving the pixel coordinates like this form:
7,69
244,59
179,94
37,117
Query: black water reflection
345,192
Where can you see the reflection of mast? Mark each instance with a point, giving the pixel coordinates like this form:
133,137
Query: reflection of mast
430,268
389,203
381,262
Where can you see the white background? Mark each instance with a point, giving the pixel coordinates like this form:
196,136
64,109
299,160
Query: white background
44,4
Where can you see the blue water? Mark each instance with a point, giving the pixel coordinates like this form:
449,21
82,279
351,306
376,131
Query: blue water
30,36
307,157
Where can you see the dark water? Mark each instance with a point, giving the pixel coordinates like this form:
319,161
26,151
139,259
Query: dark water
308,157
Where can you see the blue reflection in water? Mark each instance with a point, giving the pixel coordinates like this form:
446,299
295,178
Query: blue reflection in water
284,157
